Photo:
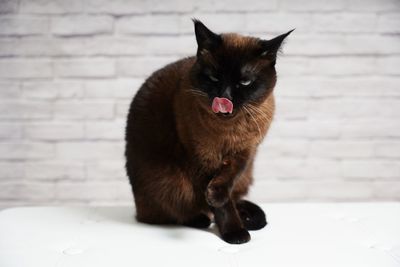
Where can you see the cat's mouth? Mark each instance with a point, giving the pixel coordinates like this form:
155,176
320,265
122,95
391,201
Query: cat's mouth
222,105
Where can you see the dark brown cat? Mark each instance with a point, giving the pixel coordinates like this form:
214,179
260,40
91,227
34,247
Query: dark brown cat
193,130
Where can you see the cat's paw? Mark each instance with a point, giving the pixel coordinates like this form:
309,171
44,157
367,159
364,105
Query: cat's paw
217,195
253,217
236,237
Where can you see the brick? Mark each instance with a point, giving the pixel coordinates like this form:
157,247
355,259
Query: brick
370,128
61,46
148,24
83,110
121,88
292,108
54,131
344,22
141,67
388,149
25,47
310,129
23,25
81,25
8,6
372,169
10,130
284,148
117,7
237,23
25,110
372,44
122,108
41,90
109,170
52,89
80,45
173,6
389,65
343,66
110,191
9,90
338,86
51,171
353,108
315,190
51,7
85,68
278,23
90,150
143,45
28,191
26,150
373,5
342,149
314,5
389,22
294,169
114,130
292,66
307,45
13,171
237,5
25,68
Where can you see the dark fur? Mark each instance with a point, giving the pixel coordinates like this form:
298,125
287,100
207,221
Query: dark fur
186,163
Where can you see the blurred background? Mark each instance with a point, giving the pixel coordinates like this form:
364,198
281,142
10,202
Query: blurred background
68,71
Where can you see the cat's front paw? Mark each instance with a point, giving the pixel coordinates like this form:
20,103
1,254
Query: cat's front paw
236,237
217,195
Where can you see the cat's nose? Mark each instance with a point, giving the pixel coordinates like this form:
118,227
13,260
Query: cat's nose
227,93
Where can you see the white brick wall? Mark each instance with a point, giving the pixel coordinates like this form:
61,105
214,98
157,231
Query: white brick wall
68,70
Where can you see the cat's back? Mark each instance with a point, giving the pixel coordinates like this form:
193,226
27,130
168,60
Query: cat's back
151,122
161,86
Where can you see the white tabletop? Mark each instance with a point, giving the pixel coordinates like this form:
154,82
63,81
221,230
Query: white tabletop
309,235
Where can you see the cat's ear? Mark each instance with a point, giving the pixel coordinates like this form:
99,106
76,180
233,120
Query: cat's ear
271,47
206,39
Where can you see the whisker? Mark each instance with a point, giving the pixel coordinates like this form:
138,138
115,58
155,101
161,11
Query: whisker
261,115
197,92
258,109
252,117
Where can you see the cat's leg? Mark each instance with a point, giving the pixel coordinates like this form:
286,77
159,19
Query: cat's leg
230,224
220,187
166,195
150,212
253,217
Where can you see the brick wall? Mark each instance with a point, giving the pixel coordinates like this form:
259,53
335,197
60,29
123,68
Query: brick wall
68,70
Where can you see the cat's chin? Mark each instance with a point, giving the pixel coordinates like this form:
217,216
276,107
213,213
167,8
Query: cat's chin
226,116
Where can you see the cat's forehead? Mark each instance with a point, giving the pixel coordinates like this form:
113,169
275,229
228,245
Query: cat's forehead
238,43
236,52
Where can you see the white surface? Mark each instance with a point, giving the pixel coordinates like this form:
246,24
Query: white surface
309,235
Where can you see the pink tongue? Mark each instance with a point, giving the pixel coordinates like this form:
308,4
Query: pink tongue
222,105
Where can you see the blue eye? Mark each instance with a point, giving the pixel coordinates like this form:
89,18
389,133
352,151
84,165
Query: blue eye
245,82
213,78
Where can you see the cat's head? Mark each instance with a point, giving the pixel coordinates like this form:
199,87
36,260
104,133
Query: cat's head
235,67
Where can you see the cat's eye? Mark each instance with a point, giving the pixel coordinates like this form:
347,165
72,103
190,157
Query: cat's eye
245,82
213,78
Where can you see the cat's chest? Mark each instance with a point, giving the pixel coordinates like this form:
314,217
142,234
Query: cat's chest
212,149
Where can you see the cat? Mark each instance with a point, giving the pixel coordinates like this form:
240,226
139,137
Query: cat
192,133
